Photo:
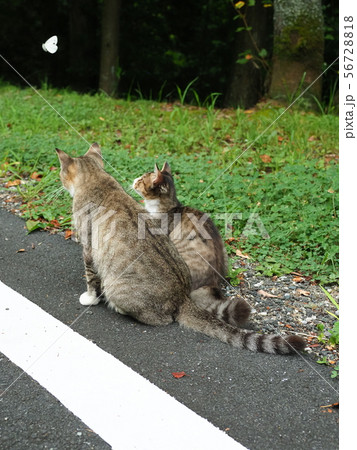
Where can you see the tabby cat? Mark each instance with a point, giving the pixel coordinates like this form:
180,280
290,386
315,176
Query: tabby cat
197,240
143,278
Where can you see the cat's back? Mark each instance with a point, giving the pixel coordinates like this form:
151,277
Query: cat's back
124,243
199,242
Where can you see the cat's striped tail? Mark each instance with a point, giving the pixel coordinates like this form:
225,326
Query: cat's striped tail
232,310
203,321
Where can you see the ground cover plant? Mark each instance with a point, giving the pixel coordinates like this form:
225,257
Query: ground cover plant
277,180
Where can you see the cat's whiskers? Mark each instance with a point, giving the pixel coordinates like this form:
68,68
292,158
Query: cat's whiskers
53,195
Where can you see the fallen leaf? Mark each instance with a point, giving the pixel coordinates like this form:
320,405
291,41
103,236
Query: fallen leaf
302,292
248,111
298,279
55,223
21,250
242,255
178,374
265,158
266,294
312,138
35,176
101,118
288,326
12,183
331,191
68,234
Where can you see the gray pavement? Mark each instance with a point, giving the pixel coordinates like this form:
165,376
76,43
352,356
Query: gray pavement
262,401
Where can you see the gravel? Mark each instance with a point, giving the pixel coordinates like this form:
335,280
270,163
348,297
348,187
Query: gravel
288,304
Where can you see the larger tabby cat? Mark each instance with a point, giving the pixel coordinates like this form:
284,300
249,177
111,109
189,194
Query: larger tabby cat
197,240
144,278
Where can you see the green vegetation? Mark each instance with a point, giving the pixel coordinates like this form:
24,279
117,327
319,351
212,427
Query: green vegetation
330,337
280,180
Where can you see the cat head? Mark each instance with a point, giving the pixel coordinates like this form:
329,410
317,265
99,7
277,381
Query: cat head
77,170
158,183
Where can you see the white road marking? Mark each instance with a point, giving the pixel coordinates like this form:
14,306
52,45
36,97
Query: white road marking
121,406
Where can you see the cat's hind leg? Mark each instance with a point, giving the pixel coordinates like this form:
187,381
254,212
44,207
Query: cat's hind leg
93,295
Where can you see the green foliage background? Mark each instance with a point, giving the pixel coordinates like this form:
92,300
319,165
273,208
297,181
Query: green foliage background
224,161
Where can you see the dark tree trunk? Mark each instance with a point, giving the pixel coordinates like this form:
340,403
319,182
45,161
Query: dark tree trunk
298,48
246,84
109,60
83,51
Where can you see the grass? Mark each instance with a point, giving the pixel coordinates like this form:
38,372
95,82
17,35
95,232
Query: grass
287,177
330,337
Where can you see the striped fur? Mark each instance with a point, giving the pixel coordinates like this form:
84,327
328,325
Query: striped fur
232,310
206,258
143,278
191,316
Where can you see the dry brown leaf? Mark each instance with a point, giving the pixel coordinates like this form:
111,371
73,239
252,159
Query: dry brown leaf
55,223
298,279
265,158
302,292
12,183
68,234
21,250
35,176
178,374
242,255
266,294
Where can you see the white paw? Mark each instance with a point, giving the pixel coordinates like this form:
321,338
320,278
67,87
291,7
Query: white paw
88,299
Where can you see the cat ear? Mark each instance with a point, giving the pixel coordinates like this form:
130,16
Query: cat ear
159,178
166,168
95,152
64,159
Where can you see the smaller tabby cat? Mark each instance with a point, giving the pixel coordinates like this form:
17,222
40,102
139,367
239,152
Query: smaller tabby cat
144,278
197,240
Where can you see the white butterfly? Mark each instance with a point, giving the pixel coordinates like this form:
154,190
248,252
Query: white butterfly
51,45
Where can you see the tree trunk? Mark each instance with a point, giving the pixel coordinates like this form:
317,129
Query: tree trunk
246,85
298,48
83,51
109,60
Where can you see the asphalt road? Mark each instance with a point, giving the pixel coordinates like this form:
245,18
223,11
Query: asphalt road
261,401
